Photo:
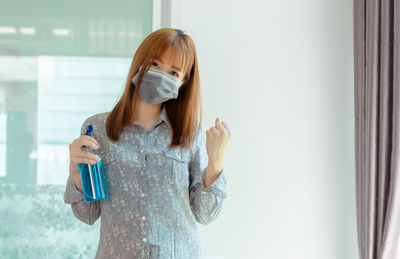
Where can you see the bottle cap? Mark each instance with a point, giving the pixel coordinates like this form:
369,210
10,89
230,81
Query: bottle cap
89,130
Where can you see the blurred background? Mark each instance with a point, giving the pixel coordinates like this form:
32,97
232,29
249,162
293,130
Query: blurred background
280,73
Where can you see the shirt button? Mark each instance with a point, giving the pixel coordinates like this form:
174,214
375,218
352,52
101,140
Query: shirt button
144,218
144,239
143,194
141,172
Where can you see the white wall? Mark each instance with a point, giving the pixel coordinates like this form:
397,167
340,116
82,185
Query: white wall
281,74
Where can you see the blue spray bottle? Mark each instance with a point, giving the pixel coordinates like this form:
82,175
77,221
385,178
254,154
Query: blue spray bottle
92,176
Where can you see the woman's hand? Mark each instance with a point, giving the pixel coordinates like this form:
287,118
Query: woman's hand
217,139
77,156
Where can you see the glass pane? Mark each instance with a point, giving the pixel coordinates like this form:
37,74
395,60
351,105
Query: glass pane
60,62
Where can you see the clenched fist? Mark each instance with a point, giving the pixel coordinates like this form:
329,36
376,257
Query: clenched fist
217,138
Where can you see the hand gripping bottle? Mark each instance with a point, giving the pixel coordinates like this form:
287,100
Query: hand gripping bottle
92,176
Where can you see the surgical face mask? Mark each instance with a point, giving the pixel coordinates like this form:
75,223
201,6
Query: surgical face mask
157,86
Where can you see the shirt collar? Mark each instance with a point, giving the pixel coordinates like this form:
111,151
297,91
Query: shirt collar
164,116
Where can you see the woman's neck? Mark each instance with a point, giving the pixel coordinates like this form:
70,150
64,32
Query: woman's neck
146,114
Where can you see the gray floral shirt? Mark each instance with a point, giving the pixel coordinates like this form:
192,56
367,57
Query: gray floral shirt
156,194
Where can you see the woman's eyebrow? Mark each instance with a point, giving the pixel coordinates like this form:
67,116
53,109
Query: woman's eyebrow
179,70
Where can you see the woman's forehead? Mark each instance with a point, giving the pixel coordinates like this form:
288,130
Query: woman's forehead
175,58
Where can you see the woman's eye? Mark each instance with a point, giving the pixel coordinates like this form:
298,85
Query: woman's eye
176,74
154,64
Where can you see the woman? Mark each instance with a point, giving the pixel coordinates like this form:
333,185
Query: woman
163,174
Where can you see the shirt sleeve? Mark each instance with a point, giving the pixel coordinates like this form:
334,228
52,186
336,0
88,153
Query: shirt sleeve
85,212
205,202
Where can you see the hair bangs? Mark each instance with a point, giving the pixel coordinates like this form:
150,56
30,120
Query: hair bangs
181,55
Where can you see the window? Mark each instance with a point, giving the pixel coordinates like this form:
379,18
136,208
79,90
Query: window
60,62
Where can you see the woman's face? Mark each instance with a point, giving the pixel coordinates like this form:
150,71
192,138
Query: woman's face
165,63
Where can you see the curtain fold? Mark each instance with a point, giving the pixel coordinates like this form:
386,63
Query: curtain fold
377,127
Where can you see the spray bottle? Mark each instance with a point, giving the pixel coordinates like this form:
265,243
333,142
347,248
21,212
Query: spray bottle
92,176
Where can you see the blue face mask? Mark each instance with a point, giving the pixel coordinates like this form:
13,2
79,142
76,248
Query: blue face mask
157,86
